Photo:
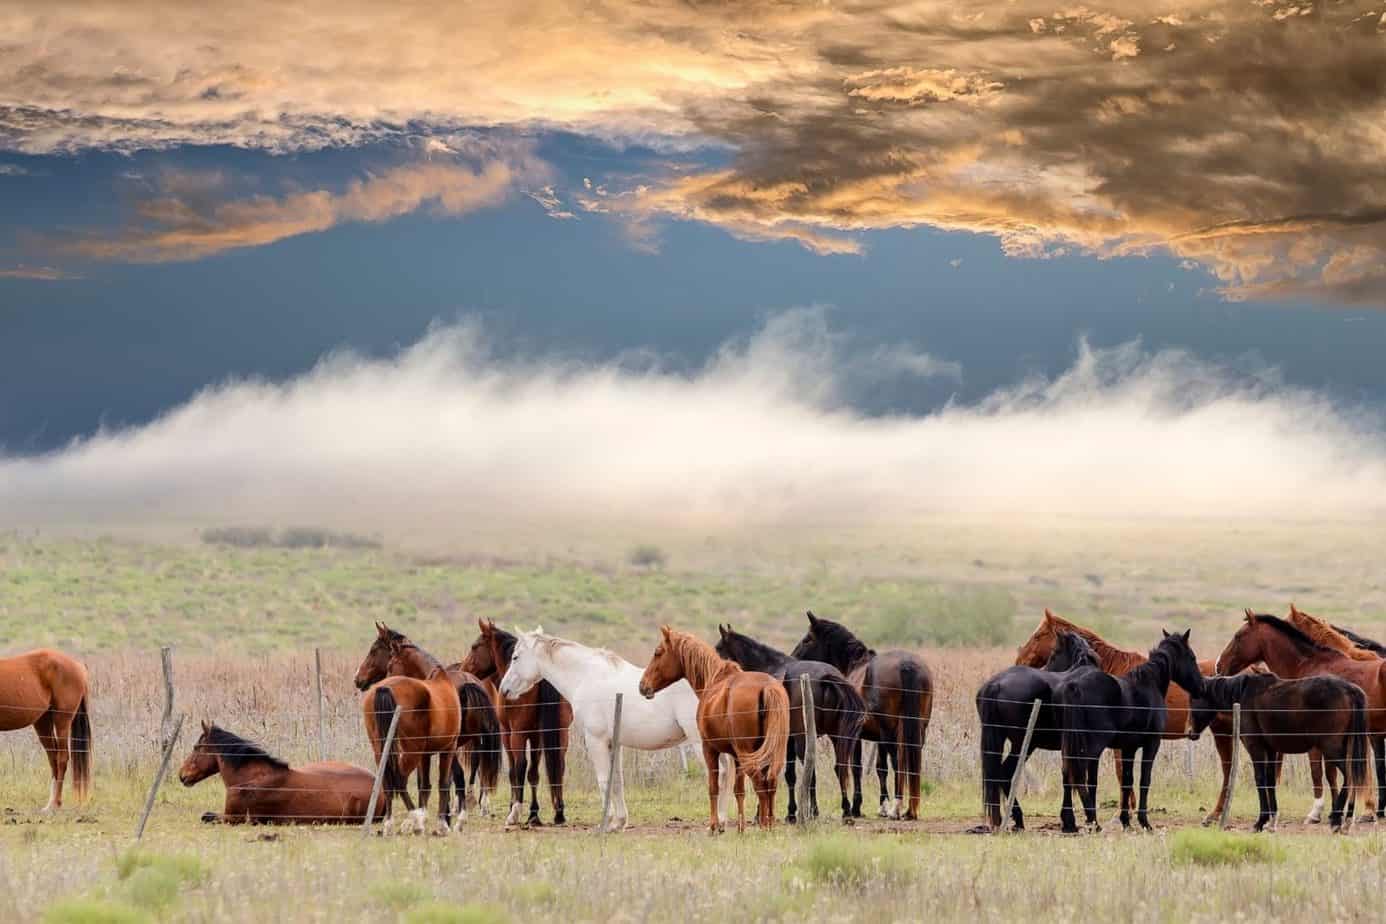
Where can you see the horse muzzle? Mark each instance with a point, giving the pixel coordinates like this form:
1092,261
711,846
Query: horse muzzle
645,691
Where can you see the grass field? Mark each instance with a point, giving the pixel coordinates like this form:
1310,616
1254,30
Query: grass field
243,623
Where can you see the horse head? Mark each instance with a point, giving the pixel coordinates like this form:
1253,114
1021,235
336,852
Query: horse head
481,659
830,642
1070,650
665,668
375,667
1041,644
1183,663
524,671
202,761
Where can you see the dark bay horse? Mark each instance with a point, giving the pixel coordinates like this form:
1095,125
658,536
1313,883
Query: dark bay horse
741,713
48,690
1323,713
1128,714
1003,708
1291,653
430,721
899,694
479,740
838,710
536,722
1117,661
262,789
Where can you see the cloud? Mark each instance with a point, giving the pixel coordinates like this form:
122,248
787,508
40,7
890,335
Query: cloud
12,170
187,218
40,273
1111,128
445,438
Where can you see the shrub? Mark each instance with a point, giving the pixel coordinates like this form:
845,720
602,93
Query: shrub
181,866
400,895
1221,848
91,911
968,616
647,556
154,887
442,913
847,862
244,537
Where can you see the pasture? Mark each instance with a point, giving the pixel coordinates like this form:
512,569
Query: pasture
243,623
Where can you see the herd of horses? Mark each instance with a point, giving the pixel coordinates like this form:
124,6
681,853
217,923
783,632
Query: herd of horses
1302,685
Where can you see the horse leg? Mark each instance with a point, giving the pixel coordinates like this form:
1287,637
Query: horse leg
842,763
1126,763
1378,745
740,791
883,777
555,765
1316,775
1090,794
811,755
515,757
1260,769
856,778
766,794
1148,754
459,784
57,759
536,753
1068,822
791,778
1223,743
445,764
715,768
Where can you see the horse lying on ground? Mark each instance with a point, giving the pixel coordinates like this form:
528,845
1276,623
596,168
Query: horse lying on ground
48,690
741,713
898,690
262,789
1291,717
1003,707
1098,711
838,712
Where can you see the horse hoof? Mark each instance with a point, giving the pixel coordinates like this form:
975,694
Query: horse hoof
441,828
209,818
791,820
558,818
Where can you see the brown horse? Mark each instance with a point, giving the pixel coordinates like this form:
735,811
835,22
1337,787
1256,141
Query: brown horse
536,722
1119,662
899,693
1290,653
430,721
48,690
262,789
480,735
742,713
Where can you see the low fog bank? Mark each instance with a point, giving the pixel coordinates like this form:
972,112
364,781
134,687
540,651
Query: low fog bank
445,438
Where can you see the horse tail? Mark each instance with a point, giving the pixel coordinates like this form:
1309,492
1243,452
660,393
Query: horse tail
910,741
993,744
385,706
843,701
79,749
1357,747
551,731
485,740
1073,742
774,721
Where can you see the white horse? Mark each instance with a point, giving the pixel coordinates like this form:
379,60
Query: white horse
589,679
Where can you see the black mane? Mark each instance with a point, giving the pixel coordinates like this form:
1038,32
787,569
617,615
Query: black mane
1071,650
838,639
236,751
760,652
1361,641
507,641
1292,632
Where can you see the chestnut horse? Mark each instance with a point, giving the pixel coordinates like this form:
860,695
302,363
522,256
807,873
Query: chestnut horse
430,720
1290,653
537,720
48,690
1119,661
480,735
262,789
742,713
899,694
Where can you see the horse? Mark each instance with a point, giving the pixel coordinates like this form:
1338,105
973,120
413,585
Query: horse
1330,636
538,720
48,690
1004,702
1273,724
589,679
430,720
262,789
1290,653
899,693
480,735
1126,713
1361,641
838,711
1117,661
741,713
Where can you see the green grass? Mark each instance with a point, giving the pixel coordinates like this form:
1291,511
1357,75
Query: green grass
443,913
843,862
1222,848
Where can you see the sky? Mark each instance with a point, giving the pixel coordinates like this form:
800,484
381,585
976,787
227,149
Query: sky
892,229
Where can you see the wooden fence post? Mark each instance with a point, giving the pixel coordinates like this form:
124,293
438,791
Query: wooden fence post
615,762
166,723
317,676
806,782
159,777
1020,764
1232,770
380,774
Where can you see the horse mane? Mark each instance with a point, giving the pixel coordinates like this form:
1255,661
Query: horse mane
506,640
1326,636
1361,641
1113,660
236,751
699,657
837,636
1076,648
767,653
1294,634
553,643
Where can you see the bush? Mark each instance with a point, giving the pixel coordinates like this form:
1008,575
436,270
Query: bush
91,911
242,537
400,895
847,862
295,537
968,616
181,866
441,913
1221,848
647,556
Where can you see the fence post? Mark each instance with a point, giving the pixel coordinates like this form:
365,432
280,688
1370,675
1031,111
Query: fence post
1232,770
806,782
1020,764
317,676
380,774
166,723
1189,758
159,777
615,762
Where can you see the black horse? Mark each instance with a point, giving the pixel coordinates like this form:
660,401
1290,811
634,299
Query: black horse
899,694
1003,707
1099,711
1361,641
838,709
1291,717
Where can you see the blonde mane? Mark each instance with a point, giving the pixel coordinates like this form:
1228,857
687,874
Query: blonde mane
552,643
1327,636
701,662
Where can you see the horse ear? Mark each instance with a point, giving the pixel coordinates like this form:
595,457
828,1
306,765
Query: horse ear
1048,615
1250,615
1164,634
481,623
813,620
383,629
721,630
665,630
205,727
1293,611
1187,633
